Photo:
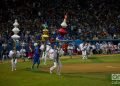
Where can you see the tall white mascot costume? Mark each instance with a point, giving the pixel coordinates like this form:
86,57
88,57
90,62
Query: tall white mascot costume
13,55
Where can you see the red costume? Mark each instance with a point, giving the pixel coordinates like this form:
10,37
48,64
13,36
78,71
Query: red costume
62,31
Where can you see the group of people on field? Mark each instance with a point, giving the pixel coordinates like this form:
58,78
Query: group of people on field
46,51
41,52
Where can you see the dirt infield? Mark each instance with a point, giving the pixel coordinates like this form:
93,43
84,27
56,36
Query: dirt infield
93,67
90,68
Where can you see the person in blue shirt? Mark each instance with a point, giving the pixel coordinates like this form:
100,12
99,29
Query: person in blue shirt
36,57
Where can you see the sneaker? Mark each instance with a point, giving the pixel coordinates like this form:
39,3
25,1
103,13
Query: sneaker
50,71
45,64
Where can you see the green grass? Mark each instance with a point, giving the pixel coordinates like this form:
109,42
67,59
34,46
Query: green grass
93,59
24,76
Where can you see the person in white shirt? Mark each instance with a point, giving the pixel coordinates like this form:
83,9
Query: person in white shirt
51,53
70,50
104,48
84,50
61,52
54,54
118,46
23,53
45,54
89,52
42,48
97,48
80,46
14,55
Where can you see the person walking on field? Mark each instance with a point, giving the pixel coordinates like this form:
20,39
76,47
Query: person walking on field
14,54
36,57
56,60
45,56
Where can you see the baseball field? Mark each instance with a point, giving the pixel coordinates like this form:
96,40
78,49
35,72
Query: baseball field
95,71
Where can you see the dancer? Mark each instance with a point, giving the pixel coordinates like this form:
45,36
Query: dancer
45,52
14,54
36,57
56,60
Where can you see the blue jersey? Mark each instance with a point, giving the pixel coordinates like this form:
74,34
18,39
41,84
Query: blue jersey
36,56
36,53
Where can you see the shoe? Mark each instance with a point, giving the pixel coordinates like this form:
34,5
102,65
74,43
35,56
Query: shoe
45,64
50,71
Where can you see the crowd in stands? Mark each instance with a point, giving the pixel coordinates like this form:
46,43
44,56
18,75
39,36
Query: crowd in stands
87,20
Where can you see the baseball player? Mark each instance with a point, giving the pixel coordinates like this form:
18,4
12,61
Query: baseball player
84,51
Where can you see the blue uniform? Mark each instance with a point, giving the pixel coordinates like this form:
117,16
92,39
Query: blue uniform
36,57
